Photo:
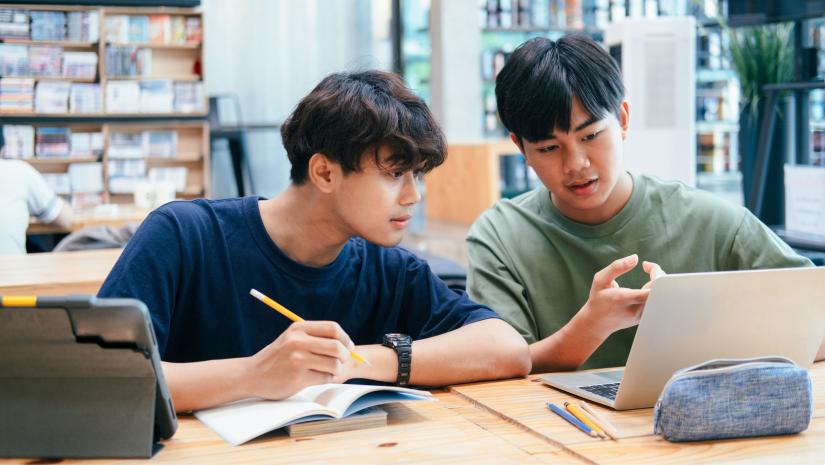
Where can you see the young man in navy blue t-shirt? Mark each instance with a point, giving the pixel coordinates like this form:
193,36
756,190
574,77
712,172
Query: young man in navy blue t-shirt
324,248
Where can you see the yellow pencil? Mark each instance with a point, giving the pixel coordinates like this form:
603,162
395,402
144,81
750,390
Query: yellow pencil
605,425
292,316
584,418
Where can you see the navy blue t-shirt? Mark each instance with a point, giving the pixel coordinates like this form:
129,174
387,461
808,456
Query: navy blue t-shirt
193,264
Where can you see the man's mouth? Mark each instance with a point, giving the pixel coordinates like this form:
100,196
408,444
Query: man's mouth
401,221
583,187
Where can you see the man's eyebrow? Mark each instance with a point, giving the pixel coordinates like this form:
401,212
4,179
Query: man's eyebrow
590,121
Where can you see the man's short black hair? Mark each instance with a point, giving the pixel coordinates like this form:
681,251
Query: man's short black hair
349,114
536,87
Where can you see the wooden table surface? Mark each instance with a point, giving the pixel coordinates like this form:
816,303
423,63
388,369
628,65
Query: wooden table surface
523,402
83,218
80,272
496,422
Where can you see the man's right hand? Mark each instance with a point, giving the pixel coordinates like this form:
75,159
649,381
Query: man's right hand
610,307
306,354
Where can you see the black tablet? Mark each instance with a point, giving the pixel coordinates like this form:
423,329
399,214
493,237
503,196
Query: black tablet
80,377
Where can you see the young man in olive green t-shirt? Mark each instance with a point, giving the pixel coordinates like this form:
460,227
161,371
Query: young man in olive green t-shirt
559,263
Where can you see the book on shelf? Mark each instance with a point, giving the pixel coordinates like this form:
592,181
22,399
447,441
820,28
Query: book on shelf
48,25
14,24
194,30
240,421
44,60
52,96
85,98
126,145
177,33
174,175
128,61
116,29
16,94
52,142
86,144
157,96
86,200
160,143
86,177
83,26
160,29
60,183
123,97
189,97
14,60
19,141
138,29
81,65
125,174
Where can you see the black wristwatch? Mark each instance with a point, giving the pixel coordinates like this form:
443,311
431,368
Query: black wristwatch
402,345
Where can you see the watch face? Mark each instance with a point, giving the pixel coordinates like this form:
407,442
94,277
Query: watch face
396,338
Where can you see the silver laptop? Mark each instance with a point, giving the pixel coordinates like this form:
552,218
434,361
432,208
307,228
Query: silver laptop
691,318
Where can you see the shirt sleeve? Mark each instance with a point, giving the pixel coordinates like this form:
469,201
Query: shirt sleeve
755,246
432,308
41,201
491,282
149,269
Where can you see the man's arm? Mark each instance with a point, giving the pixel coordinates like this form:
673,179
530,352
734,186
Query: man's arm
487,349
306,354
64,217
608,309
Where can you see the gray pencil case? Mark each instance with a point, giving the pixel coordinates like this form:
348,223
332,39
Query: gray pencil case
735,398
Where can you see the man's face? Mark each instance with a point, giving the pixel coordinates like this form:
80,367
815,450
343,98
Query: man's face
581,168
376,203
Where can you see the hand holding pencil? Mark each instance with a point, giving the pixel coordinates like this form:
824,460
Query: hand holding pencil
307,353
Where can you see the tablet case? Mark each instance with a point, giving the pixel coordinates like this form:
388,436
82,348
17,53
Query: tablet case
80,377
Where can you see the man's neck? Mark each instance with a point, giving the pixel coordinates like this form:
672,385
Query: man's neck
302,226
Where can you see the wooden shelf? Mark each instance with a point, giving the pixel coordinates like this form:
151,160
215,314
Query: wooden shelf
102,115
62,43
54,78
182,77
184,46
174,62
59,161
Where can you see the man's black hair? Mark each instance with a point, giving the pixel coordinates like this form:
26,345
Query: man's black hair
349,114
536,87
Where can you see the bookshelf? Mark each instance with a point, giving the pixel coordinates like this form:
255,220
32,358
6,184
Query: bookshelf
76,81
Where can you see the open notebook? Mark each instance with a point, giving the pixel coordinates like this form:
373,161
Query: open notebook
243,420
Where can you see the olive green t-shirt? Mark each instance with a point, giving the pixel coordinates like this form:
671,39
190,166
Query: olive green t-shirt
534,266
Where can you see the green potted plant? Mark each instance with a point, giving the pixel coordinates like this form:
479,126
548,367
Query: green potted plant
760,55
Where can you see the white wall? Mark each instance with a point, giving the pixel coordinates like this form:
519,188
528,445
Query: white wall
273,52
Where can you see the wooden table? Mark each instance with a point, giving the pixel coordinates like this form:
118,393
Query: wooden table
58,273
523,402
417,433
497,422
84,218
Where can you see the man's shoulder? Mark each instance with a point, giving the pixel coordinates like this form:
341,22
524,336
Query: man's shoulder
189,210
508,214
677,196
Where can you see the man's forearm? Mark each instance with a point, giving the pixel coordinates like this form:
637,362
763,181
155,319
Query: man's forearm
488,349
205,384
567,348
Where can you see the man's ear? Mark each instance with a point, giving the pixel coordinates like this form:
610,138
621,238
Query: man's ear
624,118
323,172
517,140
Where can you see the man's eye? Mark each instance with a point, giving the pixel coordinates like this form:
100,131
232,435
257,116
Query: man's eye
547,149
592,136
397,174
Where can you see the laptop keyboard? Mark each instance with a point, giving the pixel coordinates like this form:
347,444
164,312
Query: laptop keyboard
608,390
